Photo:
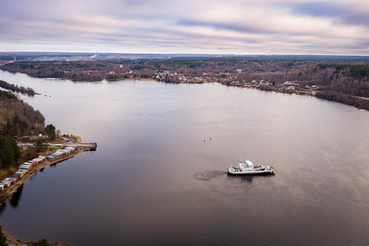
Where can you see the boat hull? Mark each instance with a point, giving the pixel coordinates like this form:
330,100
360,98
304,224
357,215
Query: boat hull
250,172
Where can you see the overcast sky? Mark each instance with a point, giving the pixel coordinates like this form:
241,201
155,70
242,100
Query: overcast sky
339,27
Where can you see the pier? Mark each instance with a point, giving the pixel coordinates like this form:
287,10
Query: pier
91,146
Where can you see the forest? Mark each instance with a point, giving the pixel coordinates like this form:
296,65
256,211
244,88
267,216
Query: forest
9,151
18,118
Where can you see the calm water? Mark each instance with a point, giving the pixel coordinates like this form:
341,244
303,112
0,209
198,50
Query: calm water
173,188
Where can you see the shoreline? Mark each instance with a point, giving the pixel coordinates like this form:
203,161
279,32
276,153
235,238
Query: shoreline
7,193
319,94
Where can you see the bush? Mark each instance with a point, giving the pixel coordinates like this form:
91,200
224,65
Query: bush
39,146
2,238
50,131
42,242
9,151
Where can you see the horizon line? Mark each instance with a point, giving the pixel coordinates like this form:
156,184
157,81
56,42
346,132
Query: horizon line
182,54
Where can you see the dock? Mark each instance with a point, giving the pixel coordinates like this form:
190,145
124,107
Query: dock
91,146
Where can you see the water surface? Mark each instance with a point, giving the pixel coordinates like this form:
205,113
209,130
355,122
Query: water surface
173,188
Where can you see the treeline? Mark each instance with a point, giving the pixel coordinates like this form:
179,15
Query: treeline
16,127
232,68
15,88
18,118
75,71
9,151
340,97
146,68
7,95
356,71
349,79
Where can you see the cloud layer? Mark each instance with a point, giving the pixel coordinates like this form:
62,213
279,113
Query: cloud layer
339,27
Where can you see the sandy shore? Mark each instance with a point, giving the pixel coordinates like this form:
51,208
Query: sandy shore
8,192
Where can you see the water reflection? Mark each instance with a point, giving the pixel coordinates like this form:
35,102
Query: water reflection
249,178
212,174
3,208
15,198
33,176
55,164
174,188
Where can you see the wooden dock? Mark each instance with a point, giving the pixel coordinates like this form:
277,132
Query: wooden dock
91,146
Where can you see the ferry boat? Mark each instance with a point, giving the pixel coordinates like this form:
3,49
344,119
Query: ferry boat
247,168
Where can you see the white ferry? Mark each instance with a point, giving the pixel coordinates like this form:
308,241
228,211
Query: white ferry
247,167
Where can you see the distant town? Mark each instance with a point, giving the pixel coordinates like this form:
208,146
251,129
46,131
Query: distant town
340,79
292,87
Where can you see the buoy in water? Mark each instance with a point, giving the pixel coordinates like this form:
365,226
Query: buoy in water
120,174
210,138
204,140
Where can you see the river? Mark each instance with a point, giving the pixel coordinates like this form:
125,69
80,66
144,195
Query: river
154,181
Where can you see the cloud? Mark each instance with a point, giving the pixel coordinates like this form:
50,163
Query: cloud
346,13
163,26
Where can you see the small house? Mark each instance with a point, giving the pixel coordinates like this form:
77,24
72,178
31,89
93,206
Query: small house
32,162
25,166
11,180
66,150
57,154
71,149
6,183
20,173
16,176
37,160
23,169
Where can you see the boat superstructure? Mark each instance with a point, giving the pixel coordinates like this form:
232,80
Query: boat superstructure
247,167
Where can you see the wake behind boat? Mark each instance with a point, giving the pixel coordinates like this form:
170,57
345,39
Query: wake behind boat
247,167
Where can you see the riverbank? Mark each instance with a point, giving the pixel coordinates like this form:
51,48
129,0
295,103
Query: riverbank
9,191
358,102
16,242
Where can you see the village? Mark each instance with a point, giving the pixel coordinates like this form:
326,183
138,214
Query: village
290,87
24,168
66,147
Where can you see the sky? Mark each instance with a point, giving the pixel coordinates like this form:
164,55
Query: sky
339,27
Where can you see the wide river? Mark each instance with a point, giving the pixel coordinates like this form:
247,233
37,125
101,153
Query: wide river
154,181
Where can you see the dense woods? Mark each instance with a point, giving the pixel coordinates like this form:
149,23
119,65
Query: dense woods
345,83
9,151
17,118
